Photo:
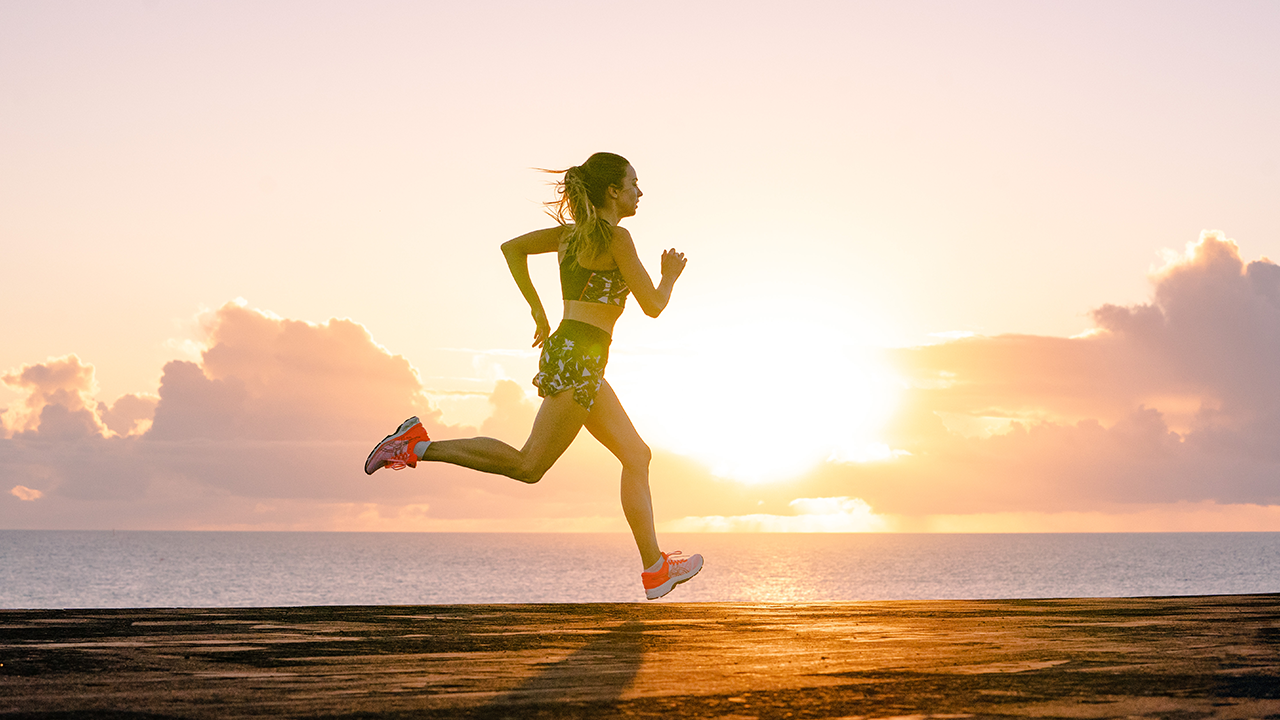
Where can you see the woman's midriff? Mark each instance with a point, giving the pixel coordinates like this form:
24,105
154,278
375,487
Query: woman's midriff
597,314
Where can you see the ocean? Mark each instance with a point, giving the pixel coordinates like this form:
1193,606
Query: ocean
104,569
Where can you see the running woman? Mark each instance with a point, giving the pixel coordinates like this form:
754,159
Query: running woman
599,267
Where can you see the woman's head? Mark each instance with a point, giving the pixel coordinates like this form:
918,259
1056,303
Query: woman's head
583,191
594,177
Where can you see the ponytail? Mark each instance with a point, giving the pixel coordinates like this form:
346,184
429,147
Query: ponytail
580,193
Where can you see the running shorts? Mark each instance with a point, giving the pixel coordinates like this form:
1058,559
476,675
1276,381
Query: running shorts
573,358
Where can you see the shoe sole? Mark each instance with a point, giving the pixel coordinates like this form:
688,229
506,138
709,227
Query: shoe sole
404,428
670,585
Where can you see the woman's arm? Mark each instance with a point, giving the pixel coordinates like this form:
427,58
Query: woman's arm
517,252
653,300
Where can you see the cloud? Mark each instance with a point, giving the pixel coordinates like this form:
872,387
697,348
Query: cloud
63,382
855,515
1213,331
269,430
512,415
25,493
1175,400
266,378
130,414
276,409
831,514
1165,417
60,399
1205,343
1206,516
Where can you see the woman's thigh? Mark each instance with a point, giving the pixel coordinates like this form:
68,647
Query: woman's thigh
609,423
558,421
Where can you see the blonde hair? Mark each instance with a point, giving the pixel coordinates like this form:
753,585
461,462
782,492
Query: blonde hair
579,193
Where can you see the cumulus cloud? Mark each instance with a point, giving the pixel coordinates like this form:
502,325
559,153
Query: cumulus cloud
1204,344
60,400
1169,401
1162,418
271,379
275,409
269,429
1214,330
130,414
64,383
1165,417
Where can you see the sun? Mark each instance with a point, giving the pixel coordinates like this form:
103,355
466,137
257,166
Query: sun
766,407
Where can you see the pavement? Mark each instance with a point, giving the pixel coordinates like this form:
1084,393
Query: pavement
1186,658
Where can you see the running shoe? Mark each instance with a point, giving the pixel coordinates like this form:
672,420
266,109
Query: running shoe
396,450
673,572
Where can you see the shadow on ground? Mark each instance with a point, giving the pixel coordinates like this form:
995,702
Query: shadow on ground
600,671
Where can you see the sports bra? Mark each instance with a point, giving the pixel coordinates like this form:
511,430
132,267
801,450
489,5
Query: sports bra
602,286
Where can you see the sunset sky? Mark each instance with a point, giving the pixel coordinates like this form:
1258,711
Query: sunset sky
981,266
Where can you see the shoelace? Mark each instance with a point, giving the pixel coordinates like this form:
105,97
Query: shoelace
401,449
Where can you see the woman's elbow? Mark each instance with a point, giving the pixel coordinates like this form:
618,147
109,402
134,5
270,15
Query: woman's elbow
512,252
653,310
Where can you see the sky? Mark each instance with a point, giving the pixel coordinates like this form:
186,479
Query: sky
953,267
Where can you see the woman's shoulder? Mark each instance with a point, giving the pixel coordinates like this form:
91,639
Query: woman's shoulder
621,242
621,234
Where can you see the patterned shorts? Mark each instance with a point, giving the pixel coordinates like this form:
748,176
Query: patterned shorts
573,358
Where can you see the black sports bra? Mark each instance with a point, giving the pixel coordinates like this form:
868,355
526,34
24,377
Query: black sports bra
602,286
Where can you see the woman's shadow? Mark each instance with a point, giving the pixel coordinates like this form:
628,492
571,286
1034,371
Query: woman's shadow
598,672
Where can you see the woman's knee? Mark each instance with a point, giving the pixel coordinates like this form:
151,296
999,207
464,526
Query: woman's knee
636,456
528,475
530,471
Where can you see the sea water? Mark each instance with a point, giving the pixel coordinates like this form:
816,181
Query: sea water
65,569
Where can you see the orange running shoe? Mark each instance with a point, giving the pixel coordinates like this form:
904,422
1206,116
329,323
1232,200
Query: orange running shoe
673,572
396,450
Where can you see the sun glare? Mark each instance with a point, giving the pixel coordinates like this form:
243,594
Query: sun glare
766,409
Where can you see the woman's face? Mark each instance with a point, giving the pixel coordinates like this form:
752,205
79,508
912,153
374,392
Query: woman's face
629,193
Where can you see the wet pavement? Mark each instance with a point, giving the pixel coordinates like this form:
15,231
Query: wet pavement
1208,657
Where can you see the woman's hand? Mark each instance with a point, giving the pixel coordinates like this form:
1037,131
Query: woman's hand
542,328
672,263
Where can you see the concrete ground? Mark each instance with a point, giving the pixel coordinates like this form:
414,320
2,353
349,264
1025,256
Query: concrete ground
1206,657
